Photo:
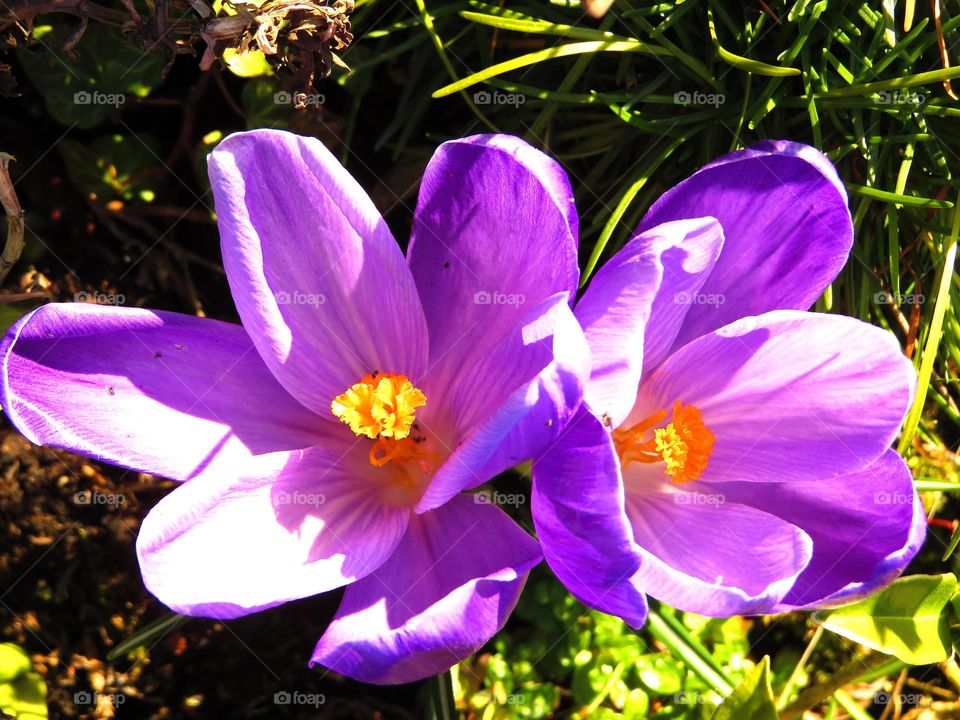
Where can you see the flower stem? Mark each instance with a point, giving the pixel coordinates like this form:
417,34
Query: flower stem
684,651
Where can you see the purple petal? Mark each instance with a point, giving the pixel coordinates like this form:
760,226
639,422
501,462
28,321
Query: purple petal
701,552
512,403
152,391
787,230
279,527
494,233
788,395
635,305
578,511
865,526
319,281
448,588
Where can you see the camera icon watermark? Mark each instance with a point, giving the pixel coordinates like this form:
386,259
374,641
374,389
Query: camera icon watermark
300,499
699,98
95,497
298,99
890,298
493,497
696,498
99,298
909,699
483,297
283,697
892,498
692,697
693,298
486,97
83,697
95,97
898,97
300,298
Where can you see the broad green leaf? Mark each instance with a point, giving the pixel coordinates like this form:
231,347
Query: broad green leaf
107,74
752,699
905,619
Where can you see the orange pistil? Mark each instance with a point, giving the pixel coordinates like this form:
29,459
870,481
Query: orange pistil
683,446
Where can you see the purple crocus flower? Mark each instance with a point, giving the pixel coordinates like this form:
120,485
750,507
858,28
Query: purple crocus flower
326,442
735,454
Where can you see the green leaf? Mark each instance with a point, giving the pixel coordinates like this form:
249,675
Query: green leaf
557,51
148,634
905,619
23,694
113,167
107,73
752,699
13,662
25,698
252,63
264,105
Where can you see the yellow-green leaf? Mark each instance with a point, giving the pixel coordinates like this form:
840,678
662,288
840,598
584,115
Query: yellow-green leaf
252,63
905,619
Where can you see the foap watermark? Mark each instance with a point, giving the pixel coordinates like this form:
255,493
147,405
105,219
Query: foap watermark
695,298
892,498
300,499
285,697
493,497
900,97
891,298
95,497
100,298
885,698
485,97
483,297
300,298
699,98
83,697
298,99
695,498
95,97
692,697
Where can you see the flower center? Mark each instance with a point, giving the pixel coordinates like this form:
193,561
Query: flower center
683,445
382,407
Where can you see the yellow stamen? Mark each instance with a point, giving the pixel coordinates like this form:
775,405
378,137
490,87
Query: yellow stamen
683,446
381,405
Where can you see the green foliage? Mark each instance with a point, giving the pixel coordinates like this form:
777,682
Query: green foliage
22,692
113,167
906,619
569,658
107,73
752,699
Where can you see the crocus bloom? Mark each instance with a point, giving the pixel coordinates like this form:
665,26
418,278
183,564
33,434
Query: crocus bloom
326,442
735,457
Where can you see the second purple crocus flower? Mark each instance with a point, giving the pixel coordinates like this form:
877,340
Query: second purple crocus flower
733,456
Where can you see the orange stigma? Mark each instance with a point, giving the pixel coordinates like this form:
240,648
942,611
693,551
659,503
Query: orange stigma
683,446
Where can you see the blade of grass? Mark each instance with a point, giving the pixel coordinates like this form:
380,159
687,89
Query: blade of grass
933,336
